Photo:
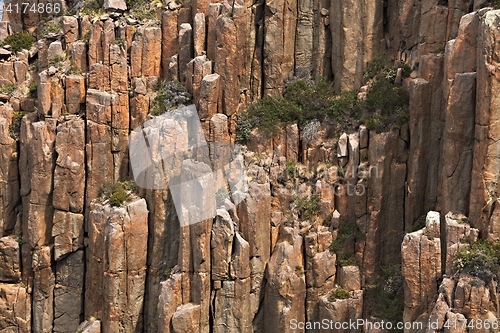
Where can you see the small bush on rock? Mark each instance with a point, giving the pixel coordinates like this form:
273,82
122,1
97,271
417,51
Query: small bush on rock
118,193
8,88
220,197
385,298
385,104
481,260
170,95
347,232
308,206
338,293
50,27
15,127
19,41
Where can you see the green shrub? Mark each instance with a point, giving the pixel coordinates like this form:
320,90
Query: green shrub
290,170
19,41
308,206
338,293
406,70
345,259
385,298
313,100
377,65
118,193
8,88
384,96
32,90
419,224
345,105
170,95
57,61
438,50
268,114
50,27
347,231
341,171
92,8
243,129
15,127
143,9
385,106
86,37
481,260
220,196
120,42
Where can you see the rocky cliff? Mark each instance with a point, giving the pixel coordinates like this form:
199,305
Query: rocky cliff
333,226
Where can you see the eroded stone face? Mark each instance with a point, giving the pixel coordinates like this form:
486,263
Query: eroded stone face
256,265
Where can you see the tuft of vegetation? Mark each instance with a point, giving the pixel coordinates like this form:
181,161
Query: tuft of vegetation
118,193
341,171
70,12
168,271
8,88
86,37
243,129
290,171
220,196
420,223
406,70
50,27
57,61
33,90
376,66
15,127
170,95
308,206
481,260
346,233
385,298
143,10
120,42
385,105
438,50
338,293
92,8
269,114
20,239
19,41
74,71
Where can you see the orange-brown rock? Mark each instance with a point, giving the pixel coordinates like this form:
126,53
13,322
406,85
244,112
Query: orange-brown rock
116,261
485,167
69,173
37,158
10,259
286,285
9,175
15,308
421,268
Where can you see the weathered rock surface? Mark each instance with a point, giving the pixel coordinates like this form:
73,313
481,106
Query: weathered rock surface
421,265
259,264
116,265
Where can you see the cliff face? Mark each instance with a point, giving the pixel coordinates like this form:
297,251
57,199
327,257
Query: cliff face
69,257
